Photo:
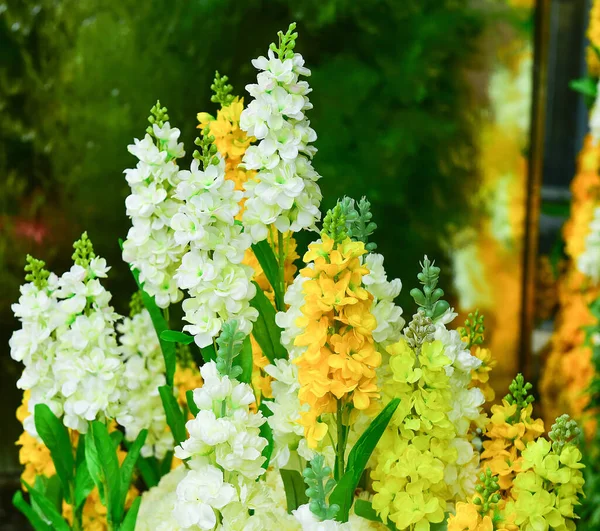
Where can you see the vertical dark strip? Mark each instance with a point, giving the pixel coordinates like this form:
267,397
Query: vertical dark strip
534,180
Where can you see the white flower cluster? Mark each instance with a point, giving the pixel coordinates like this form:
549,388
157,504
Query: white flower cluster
211,269
68,346
294,299
225,448
589,260
467,404
144,373
288,433
285,191
150,246
308,522
387,314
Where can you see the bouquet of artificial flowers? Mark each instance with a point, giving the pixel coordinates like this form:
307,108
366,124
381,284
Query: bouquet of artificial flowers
289,399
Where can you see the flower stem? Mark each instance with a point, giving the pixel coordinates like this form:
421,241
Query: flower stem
166,315
341,441
281,262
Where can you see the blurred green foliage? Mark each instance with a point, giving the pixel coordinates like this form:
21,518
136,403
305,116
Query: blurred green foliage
392,110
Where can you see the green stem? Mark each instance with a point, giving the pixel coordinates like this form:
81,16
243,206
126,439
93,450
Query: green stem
166,315
281,263
341,442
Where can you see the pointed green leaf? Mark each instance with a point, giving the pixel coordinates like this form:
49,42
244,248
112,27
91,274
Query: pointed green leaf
131,516
165,464
149,470
295,488
94,465
343,494
245,361
36,521
266,258
175,418
47,507
585,86
84,484
208,353
173,336
56,437
128,465
265,329
267,433
194,409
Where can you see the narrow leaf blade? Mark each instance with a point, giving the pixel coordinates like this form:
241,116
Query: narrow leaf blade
48,508
56,437
245,361
194,409
175,418
131,516
128,465
34,519
358,458
266,258
295,488
265,329
173,336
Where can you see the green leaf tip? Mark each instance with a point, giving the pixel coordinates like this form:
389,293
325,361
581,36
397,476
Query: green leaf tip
358,220
222,90
36,273
84,251
429,299
158,116
287,43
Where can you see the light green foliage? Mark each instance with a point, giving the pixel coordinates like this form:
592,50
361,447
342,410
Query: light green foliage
473,330
208,151
358,220
487,491
230,344
334,224
222,90
429,299
564,431
84,251
287,43
158,116
519,395
36,273
136,304
320,484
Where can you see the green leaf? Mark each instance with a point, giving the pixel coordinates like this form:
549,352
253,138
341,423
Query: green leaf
104,468
175,418
47,507
364,509
56,437
266,258
131,517
173,336
295,488
84,484
267,433
35,519
550,208
358,457
165,464
245,361
194,409
52,489
208,353
149,470
128,465
116,437
160,325
265,329
586,86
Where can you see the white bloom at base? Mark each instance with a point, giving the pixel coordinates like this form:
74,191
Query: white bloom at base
199,494
284,192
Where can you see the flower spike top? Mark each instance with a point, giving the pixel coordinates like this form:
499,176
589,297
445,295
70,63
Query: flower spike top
430,297
284,191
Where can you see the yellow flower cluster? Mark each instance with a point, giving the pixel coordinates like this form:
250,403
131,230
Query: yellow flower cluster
568,369
408,477
508,431
546,491
231,141
338,366
480,377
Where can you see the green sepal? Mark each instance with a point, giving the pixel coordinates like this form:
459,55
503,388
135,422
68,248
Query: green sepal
358,458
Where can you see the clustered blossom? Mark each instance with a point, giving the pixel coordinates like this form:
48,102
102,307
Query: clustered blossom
225,448
417,446
144,373
340,359
211,270
588,261
150,246
68,346
284,192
